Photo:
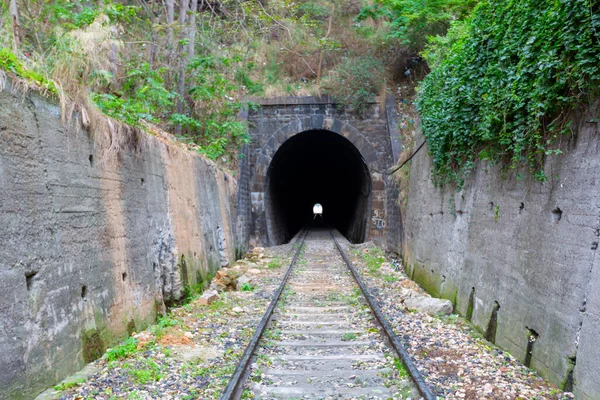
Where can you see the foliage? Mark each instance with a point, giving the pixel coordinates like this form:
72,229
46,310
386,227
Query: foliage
128,348
356,81
505,82
10,63
214,97
143,97
247,287
145,371
138,67
274,263
413,21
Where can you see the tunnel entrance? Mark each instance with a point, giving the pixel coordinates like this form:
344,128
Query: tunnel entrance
317,166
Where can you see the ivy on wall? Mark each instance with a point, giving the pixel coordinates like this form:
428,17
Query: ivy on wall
504,80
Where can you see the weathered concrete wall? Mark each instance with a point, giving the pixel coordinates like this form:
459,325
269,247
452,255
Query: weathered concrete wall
529,247
93,245
374,134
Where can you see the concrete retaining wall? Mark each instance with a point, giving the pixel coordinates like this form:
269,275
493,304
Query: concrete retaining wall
93,245
527,247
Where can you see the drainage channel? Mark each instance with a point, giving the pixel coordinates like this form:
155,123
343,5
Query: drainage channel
324,337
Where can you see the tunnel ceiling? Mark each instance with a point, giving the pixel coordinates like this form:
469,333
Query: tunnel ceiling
317,167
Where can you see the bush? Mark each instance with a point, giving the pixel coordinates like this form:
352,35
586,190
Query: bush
505,82
356,81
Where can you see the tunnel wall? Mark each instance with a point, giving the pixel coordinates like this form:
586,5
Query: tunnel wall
92,245
531,247
373,133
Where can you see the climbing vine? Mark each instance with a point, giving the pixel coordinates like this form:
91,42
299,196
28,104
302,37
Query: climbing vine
504,80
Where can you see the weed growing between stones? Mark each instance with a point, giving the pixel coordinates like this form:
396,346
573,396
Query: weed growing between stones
274,263
122,351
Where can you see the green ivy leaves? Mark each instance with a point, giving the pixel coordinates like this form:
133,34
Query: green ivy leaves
504,81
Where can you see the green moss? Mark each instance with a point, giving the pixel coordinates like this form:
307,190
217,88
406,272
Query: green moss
131,328
92,345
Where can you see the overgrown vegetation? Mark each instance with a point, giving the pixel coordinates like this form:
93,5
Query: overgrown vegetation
186,66
504,81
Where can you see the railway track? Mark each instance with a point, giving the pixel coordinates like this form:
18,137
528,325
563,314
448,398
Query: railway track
323,337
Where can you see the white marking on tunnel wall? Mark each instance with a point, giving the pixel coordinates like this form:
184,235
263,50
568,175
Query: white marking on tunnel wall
258,202
378,219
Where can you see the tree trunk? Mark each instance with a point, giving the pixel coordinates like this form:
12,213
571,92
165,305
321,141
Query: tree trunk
192,34
182,63
16,24
170,20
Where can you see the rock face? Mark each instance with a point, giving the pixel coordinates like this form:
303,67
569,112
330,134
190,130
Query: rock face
519,255
95,241
429,305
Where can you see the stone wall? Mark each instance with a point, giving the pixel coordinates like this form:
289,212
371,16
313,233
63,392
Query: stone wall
374,134
527,250
94,242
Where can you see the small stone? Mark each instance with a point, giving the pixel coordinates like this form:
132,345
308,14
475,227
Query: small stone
208,297
429,305
189,335
242,280
237,310
254,271
488,388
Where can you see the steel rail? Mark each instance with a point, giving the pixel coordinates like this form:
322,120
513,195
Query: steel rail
425,391
234,387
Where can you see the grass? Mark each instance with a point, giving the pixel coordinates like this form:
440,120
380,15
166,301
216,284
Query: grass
390,278
352,299
274,263
349,336
127,349
373,260
145,371
247,287
163,324
68,385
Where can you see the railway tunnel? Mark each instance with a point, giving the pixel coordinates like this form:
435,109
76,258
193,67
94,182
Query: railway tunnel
317,166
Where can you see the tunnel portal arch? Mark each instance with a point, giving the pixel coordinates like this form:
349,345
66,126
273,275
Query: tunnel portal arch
317,166
371,139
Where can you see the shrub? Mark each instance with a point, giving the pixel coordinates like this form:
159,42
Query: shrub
505,82
356,81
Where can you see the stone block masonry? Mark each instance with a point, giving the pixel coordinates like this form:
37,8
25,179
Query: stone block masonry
93,244
374,134
519,258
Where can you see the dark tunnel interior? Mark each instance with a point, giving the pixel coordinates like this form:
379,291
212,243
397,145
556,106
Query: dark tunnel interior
317,167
